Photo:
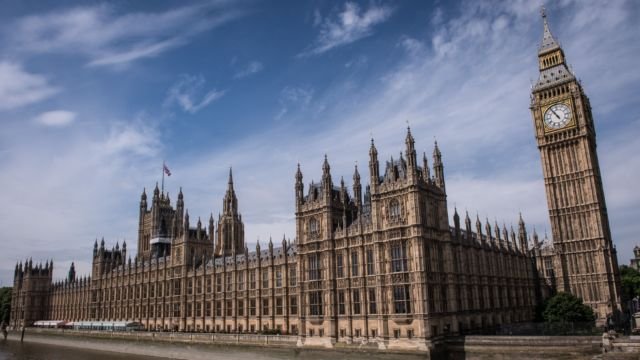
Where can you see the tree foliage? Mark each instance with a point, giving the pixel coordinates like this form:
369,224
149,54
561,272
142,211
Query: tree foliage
630,282
5,304
566,308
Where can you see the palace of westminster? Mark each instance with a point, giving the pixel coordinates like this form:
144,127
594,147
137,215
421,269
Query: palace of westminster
380,263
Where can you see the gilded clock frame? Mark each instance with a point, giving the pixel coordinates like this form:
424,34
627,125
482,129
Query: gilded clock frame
572,121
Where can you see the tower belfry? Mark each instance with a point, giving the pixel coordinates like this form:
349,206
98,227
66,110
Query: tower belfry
585,258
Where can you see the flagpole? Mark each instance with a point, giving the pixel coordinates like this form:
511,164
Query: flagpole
162,177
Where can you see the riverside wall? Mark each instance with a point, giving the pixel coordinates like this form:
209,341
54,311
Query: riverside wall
201,345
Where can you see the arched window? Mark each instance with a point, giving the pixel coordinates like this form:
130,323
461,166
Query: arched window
314,227
394,210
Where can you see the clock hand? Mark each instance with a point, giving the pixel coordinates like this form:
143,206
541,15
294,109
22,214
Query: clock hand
554,113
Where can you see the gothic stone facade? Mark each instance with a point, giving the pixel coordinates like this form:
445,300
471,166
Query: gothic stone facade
383,265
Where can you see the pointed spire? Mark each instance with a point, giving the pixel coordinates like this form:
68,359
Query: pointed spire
230,202
411,153
438,167
479,229
325,166
156,191
409,139
372,150
327,184
374,168
426,173
143,197
357,188
298,175
456,223
299,187
467,222
548,41
505,233
230,182
180,202
356,175
522,235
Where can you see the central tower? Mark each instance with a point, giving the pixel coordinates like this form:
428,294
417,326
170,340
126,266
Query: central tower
230,226
585,258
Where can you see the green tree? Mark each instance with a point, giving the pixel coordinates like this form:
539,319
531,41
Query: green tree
566,308
5,304
630,282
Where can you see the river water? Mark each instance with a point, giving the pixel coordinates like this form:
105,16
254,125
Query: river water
14,350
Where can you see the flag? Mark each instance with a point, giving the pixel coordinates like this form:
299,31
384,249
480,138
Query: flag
166,169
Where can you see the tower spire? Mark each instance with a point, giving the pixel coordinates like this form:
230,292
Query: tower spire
357,187
374,168
548,41
438,167
230,205
299,186
410,152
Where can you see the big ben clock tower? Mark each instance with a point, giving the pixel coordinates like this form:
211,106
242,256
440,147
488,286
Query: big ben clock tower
585,258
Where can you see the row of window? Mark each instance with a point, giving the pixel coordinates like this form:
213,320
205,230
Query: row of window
230,306
398,262
374,333
401,301
149,290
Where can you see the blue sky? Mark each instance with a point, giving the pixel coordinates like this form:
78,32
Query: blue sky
93,97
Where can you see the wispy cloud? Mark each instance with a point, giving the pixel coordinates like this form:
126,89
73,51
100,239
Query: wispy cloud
109,38
349,25
87,175
297,97
466,83
56,118
187,93
19,87
251,68
441,87
411,45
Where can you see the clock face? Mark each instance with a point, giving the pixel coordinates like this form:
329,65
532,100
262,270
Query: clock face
557,116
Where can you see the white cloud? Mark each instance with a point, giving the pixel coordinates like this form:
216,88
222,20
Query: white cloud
411,45
469,88
77,186
109,38
187,93
297,97
350,25
19,87
251,68
56,118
